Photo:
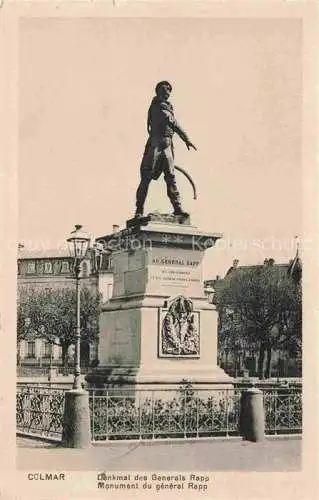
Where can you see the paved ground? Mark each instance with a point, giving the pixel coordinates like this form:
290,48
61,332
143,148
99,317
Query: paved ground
215,455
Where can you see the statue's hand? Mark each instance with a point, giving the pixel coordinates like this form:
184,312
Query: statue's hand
190,145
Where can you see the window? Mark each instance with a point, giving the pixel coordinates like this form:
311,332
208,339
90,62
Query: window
109,290
31,349
48,350
48,267
65,267
31,268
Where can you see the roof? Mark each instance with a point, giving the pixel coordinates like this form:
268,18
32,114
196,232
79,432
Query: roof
282,267
292,268
24,253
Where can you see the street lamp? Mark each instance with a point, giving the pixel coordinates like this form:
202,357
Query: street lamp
76,417
78,243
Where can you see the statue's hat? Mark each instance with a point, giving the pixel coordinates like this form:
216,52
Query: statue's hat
163,82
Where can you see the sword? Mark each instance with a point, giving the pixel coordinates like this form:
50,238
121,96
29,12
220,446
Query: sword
180,169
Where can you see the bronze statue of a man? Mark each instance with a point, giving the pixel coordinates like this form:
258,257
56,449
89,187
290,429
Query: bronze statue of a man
159,150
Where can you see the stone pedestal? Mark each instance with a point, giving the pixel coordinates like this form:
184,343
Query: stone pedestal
158,328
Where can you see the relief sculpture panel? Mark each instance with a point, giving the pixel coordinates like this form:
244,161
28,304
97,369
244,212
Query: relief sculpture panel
179,329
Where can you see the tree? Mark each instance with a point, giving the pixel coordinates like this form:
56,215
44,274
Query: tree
231,339
23,314
266,306
51,315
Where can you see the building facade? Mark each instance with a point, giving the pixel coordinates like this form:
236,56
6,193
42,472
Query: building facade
53,269
239,359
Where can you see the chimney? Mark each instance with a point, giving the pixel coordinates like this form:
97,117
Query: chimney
115,228
235,263
217,277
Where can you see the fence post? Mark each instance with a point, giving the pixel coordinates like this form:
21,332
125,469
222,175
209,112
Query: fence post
52,373
252,415
76,419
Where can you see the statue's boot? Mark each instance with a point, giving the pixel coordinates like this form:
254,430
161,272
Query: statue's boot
174,196
179,211
139,212
141,194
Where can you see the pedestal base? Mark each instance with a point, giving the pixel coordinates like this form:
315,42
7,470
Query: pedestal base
138,378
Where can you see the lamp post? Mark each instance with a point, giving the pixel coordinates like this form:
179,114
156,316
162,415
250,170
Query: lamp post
78,246
76,418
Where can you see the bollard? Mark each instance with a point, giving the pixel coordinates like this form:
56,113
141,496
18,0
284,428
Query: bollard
252,415
76,420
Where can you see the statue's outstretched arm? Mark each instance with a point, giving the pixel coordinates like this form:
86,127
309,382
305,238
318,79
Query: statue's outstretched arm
169,115
182,134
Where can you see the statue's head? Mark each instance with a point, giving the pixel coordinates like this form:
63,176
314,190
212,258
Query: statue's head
163,90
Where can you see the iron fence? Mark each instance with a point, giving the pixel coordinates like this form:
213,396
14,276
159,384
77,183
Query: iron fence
39,410
46,385
155,414
44,370
283,410
32,371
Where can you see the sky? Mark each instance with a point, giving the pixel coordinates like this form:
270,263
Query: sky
84,89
